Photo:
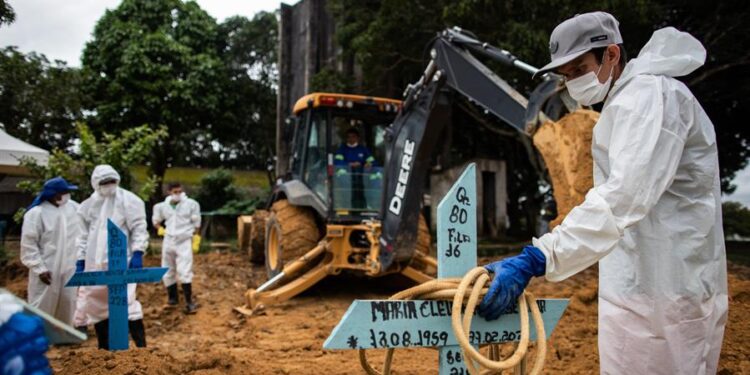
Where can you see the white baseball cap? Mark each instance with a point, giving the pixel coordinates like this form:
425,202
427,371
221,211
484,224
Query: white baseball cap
578,35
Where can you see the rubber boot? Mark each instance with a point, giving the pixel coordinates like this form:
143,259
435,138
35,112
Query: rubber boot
102,334
137,332
136,328
82,329
173,296
190,307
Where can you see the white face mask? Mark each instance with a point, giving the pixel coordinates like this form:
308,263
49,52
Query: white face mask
176,197
65,198
355,144
587,89
107,190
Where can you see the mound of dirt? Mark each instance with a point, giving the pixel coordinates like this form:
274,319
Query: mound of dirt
92,361
14,277
565,146
288,338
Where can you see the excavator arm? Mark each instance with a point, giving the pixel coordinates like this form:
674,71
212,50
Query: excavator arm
453,72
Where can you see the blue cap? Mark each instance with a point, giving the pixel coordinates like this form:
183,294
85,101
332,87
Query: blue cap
52,187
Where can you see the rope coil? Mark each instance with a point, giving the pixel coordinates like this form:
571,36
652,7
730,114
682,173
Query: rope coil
455,289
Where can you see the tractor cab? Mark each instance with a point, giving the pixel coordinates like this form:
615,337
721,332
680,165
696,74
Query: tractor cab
338,152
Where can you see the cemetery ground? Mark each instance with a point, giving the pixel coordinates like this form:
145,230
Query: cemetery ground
288,338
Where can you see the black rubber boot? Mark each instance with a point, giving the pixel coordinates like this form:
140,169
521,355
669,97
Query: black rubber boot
173,296
190,307
136,328
137,332
102,334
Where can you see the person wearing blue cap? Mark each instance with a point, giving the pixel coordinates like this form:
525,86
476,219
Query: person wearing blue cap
48,248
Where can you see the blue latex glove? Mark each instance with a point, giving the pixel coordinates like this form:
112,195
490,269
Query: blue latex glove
136,261
22,346
511,277
80,265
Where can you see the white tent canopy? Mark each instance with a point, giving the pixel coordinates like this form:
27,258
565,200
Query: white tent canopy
13,149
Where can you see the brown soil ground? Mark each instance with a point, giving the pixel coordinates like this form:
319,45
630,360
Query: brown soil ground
289,337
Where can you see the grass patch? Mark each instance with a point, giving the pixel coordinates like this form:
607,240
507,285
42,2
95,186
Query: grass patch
192,176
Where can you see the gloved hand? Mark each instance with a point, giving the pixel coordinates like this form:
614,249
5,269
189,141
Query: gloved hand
161,231
80,265
46,277
22,346
136,261
196,243
511,277
341,172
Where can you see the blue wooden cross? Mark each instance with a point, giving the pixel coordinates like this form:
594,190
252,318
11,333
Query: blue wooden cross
116,278
375,324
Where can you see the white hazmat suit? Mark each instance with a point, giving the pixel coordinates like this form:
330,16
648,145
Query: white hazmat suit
652,220
48,243
181,221
128,212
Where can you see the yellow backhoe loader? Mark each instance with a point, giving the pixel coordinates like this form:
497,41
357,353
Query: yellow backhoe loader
326,217
323,216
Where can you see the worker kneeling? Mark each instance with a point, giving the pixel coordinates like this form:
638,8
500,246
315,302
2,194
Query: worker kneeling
652,219
181,217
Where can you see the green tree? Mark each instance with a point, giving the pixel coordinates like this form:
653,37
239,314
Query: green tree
39,100
249,118
389,37
736,219
122,151
7,15
157,62
217,188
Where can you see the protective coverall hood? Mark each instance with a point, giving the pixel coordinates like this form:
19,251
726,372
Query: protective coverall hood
652,220
101,173
669,52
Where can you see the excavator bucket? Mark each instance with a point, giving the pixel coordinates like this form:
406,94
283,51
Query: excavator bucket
421,268
291,281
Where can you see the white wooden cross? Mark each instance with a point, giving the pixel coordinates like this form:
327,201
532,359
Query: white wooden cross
377,324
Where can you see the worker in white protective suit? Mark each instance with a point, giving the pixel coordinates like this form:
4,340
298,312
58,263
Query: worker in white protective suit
179,218
48,248
652,219
128,212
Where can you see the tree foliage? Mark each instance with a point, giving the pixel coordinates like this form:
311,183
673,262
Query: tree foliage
217,188
167,62
249,120
39,100
736,219
122,151
7,14
389,37
157,63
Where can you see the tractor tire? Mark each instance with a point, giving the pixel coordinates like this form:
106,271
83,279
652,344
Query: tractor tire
291,232
424,239
257,245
